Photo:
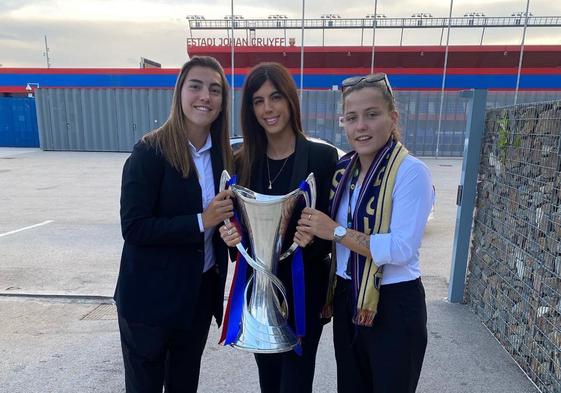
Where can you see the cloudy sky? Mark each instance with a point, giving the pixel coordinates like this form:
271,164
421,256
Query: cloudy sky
116,33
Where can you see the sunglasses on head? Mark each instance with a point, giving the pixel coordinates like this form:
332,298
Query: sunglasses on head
368,79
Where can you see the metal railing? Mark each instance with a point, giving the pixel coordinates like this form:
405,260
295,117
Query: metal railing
383,23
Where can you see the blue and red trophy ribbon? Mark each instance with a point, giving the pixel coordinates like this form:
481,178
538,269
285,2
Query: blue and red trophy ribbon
299,287
298,290
234,307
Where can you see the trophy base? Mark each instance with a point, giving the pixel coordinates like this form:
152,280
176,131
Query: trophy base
257,337
264,347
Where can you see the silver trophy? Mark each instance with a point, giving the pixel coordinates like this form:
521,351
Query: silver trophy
264,327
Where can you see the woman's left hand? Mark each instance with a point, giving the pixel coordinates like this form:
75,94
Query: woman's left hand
313,222
229,233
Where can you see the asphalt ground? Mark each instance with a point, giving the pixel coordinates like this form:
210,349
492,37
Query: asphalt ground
60,246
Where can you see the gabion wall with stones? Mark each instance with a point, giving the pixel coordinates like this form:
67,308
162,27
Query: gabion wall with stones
514,274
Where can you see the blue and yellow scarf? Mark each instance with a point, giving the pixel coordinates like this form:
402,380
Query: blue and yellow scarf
372,214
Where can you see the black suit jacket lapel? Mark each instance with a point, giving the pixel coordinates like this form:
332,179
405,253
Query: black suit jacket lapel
259,173
301,155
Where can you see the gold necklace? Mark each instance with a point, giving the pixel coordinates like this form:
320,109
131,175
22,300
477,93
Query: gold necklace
278,173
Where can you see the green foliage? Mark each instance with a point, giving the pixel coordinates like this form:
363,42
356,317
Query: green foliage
502,142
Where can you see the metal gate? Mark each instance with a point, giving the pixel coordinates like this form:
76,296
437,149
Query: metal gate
18,122
114,119
99,119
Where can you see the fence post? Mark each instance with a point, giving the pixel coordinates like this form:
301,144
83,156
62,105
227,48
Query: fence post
465,198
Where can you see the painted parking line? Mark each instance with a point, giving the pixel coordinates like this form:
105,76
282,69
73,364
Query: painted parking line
26,228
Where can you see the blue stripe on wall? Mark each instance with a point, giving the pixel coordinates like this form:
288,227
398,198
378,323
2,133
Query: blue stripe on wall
452,81
310,81
85,80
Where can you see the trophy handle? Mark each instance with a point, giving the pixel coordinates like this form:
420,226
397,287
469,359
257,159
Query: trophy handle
310,198
224,178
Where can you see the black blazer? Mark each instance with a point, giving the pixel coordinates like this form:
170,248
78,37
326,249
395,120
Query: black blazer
163,254
320,159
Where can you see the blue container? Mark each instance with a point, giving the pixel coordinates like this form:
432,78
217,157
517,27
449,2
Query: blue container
18,122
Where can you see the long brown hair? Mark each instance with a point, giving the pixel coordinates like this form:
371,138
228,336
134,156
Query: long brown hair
255,139
170,139
387,96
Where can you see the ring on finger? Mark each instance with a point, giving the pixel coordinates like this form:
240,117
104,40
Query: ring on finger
309,217
229,231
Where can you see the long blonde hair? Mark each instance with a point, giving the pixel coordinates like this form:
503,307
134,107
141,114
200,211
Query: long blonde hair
170,139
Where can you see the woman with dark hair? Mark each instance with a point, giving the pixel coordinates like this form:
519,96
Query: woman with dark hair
276,156
174,264
379,205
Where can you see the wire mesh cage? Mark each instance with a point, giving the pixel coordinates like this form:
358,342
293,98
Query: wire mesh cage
514,274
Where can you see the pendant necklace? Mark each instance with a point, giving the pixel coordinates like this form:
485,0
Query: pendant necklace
271,181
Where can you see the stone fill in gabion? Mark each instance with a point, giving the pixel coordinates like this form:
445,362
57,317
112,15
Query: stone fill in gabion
514,274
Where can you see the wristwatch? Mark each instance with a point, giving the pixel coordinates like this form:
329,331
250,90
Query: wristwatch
339,233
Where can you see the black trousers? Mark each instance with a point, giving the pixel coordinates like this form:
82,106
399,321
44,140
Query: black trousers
387,357
287,372
156,356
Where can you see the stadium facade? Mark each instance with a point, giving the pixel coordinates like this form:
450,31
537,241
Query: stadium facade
415,72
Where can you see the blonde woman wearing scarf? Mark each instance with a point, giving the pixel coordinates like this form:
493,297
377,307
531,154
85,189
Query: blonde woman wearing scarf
379,204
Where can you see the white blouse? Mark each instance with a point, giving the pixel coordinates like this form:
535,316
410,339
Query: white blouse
397,250
203,163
